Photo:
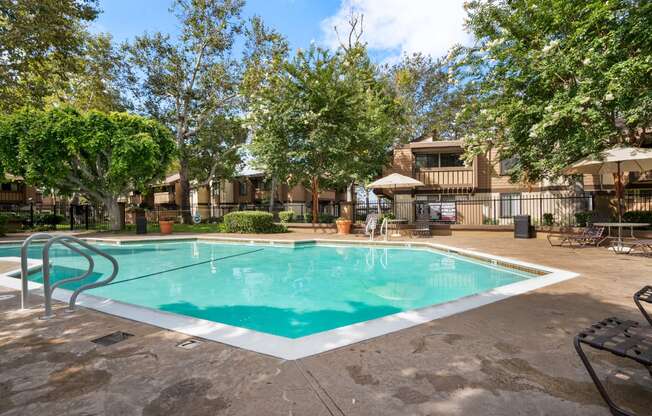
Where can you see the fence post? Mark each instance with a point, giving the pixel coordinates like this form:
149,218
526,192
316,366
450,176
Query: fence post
86,216
31,214
71,212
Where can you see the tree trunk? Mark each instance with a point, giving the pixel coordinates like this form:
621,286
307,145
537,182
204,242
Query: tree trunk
314,189
184,183
271,195
114,213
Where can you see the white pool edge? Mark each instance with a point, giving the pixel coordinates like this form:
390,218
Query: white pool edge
292,349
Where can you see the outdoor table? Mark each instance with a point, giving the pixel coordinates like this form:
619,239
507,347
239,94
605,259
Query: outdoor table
621,225
397,222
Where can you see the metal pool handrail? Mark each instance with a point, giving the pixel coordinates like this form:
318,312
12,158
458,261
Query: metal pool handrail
47,289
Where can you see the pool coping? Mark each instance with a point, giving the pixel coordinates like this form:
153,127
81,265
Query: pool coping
296,348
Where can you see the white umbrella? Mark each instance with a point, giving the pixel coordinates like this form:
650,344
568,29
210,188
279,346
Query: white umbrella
394,181
616,160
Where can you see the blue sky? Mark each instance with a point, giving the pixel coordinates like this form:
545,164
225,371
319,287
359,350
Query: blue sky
392,27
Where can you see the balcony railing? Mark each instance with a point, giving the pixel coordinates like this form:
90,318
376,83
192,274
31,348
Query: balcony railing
446,177
164,197
12,196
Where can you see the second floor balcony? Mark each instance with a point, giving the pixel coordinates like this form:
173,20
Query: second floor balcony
446,178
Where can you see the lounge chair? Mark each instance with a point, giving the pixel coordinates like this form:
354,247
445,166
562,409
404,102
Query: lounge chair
591,235
421,229
627,339
371,223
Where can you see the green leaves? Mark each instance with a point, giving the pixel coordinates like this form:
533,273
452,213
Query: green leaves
559,80
97,154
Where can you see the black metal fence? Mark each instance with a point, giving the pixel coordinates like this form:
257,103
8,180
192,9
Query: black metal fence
543,210
36,216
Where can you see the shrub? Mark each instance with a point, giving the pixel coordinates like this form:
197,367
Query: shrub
323,218
251,222
583,218
638,216
49,220
548,219
3,224
286,216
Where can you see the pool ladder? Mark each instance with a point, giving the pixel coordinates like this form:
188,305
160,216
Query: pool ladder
68,242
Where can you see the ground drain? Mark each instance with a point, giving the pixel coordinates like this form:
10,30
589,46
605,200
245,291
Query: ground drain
111,339
189,344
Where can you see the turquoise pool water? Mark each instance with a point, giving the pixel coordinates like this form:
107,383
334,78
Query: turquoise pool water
291,292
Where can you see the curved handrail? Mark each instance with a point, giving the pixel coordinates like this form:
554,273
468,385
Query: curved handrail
385,224
65,239
24,272
23,265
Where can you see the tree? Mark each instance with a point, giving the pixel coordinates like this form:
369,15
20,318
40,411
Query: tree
101,156
98,83
432,93
40,41
187,82
559,80
324,119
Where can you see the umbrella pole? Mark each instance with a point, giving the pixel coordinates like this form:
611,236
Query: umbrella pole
619,191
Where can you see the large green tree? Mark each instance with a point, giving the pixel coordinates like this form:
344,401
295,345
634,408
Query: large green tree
559,80
324,119
99,155
432,93
187,82
40,42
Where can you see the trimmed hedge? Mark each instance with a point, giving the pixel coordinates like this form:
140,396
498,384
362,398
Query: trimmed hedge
251,222
638,216
286,216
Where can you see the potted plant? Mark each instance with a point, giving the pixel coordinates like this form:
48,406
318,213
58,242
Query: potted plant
165,226
343,225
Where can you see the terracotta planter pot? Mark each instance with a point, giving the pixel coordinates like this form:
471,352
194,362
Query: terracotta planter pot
344,226
166,226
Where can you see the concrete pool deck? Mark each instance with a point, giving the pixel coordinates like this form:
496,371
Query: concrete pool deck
507,358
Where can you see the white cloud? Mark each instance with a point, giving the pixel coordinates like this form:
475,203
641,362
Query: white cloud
402,26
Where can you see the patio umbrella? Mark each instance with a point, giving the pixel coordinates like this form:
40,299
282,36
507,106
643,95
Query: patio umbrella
394,181
616,160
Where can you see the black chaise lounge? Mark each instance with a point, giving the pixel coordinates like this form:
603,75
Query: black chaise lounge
627,339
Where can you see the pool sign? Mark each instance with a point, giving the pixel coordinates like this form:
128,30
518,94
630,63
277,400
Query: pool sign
196,218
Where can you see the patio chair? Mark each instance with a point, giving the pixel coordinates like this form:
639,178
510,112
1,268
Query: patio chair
626,339
644,295
421,229
371,223
591,235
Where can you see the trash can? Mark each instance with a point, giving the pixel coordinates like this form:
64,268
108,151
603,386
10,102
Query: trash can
522,227
141,225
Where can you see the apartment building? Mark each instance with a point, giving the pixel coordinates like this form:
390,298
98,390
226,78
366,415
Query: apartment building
480,192
14,191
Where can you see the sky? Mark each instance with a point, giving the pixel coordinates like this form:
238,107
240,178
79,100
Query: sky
391,27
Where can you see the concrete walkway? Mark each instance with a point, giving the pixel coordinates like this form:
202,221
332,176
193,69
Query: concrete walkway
514,357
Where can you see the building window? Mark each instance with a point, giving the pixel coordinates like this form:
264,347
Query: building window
424,160
243,188
438,160
450,160
508,164
510,205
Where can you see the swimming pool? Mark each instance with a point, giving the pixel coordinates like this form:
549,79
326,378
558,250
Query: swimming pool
285,291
